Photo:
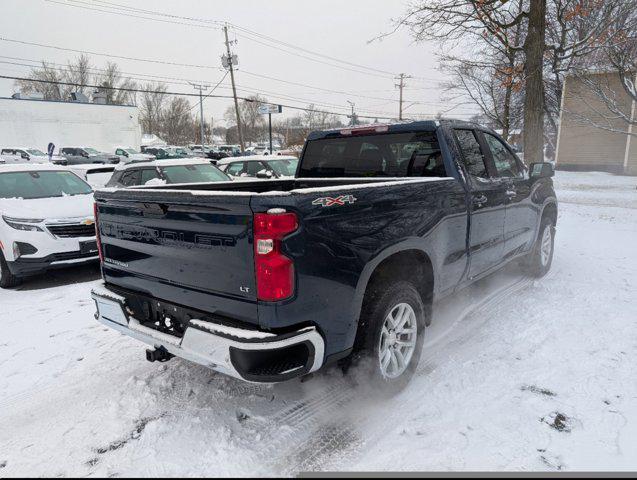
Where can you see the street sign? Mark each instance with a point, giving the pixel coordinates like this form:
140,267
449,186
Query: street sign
268,109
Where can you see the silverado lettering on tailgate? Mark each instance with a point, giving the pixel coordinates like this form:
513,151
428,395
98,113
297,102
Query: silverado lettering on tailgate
165,237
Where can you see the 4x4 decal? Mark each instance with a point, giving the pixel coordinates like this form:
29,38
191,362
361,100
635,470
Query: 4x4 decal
331,201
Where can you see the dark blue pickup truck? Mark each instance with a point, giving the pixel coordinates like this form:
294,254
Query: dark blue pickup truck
269,280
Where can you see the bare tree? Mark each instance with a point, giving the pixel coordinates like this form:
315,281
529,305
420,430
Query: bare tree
253,122
176,122
536,38
47,78
112,80
151,106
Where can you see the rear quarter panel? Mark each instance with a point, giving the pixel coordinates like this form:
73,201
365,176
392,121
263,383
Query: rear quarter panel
337,248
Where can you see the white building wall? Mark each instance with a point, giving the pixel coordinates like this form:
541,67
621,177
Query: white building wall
35,123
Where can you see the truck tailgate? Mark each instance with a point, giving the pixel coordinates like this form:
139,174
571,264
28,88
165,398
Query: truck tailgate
184,248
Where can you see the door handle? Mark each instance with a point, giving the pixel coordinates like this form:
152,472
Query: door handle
479,200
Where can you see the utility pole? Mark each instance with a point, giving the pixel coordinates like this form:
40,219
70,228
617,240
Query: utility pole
353,116
401,85
201,89
229,66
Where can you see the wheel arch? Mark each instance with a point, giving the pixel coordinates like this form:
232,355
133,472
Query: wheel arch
405,263
550,210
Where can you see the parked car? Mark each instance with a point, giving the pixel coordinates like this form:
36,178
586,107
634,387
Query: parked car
84,155
186,152
165,172
163,153
230,150
129,154
97,176
46,221
259,166
267,281
26,155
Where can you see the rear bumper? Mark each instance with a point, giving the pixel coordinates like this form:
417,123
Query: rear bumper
250,355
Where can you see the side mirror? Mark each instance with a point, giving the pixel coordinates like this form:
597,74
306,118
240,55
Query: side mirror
541,170
25,156
264,174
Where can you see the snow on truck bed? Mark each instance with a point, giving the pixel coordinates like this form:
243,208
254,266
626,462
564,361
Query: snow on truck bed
306,190
516,375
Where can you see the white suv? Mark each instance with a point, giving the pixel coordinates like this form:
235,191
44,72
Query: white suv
46,221
130,155
26,155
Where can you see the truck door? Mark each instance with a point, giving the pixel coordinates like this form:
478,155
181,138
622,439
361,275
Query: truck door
521,216
487,207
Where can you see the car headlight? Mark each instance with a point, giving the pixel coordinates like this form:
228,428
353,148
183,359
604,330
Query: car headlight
25,224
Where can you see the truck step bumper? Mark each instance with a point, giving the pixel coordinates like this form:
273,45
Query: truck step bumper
249,355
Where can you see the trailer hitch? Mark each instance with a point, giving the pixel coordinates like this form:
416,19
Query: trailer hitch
158,355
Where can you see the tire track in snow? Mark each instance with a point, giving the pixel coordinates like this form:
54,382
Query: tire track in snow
320,432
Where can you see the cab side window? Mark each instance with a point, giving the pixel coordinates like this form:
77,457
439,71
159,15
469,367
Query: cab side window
505,163
149,174
254,168
472,155
130,178
235,169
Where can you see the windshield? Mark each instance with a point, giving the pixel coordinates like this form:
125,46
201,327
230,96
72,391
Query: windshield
386,155
36,152
91,151
283,167
41,184
132,151
199,173
98,179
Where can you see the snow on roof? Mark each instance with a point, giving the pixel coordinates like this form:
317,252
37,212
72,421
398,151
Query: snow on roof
254,158
30,167
164,163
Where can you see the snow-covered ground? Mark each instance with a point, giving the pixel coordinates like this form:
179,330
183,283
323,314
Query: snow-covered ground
516,375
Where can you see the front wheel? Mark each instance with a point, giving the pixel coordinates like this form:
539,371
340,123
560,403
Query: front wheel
539,260
7,279
391,334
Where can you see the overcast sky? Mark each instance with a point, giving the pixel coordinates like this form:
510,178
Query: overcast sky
338,29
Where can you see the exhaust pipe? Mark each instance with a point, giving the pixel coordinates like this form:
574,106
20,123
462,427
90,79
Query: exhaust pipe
158,355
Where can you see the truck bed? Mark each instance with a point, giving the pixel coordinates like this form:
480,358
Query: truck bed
191,245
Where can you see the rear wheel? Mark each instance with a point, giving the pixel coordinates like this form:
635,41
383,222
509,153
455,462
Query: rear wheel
539,260
391,333
7,279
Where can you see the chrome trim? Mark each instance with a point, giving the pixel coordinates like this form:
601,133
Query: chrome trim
75,260
203,342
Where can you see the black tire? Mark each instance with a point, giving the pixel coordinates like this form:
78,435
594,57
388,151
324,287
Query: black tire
7,279
383,298
537,264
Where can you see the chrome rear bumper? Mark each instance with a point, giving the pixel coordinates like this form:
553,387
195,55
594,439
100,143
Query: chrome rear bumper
233,351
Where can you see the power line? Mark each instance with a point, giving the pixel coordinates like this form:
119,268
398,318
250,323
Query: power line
338,92
186,81
122,10
118,6
166,92
100,54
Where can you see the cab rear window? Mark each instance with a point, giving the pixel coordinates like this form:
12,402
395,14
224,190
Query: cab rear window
386,155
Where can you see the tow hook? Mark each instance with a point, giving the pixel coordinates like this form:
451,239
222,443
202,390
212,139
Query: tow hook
158,355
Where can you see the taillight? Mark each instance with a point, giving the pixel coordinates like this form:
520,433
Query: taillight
97,235
274,271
